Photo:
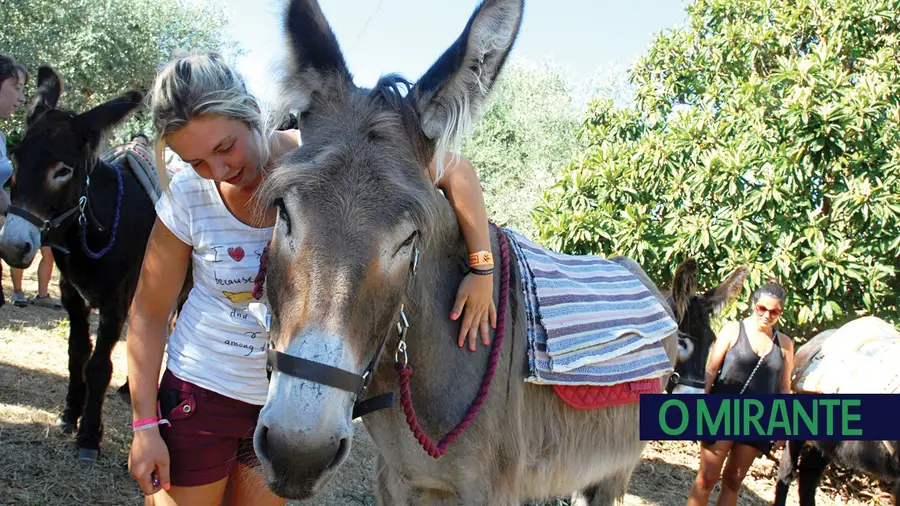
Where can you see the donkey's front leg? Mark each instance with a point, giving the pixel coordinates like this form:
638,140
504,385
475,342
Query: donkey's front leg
812,466
787,467
79,352
97,374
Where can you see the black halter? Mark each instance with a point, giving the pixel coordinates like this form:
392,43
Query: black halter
358,384
45,227
676,378
324,374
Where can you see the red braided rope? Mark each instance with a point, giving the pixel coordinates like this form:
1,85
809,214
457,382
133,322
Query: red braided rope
260,282
405,371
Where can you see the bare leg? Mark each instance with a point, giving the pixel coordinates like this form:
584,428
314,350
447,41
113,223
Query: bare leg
203,495
45,271
739,461
16,276
711,460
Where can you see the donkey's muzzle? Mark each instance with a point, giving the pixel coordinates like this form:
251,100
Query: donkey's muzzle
19,242
294,472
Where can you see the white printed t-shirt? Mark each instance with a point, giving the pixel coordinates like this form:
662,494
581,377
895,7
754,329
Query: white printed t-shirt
216,344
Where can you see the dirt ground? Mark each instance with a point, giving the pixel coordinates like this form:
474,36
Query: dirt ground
38,466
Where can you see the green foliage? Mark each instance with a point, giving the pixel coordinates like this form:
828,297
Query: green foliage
102,48
525,137
764,133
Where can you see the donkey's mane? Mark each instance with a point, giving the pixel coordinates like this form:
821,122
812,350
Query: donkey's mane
387,91
391,181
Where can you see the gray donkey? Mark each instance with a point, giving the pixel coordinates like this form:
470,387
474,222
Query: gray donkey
365,248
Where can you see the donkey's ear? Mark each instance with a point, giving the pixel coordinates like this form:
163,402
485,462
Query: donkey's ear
455,88
316,70
727,290
49,89
93,123
684,285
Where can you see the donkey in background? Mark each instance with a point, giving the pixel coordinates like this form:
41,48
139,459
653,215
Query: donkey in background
809,459
693,312
98,219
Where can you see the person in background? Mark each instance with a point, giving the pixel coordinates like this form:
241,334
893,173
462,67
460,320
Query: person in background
141,138
13,78
751,356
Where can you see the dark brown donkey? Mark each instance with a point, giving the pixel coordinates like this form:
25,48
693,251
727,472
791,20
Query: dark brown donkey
98,218
693,311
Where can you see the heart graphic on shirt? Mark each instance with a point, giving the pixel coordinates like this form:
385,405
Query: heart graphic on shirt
236,253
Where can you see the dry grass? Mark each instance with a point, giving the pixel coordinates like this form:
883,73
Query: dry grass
38,465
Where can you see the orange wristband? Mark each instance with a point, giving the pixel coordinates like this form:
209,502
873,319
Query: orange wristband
481,259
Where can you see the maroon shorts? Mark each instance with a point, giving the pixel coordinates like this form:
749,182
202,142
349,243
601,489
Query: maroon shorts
209,432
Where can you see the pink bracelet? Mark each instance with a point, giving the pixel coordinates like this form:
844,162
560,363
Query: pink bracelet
147,423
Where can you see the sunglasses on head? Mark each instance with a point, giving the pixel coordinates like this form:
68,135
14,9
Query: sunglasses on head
761,310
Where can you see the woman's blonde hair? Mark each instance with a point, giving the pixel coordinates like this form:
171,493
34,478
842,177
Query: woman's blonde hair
195,85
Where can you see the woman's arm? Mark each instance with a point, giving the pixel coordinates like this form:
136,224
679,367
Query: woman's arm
726,340
460,184
282,142
787,345
162,276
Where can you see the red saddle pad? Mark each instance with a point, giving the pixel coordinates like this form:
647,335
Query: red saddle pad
604,396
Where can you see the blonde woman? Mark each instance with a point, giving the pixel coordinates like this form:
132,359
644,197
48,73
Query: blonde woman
193,432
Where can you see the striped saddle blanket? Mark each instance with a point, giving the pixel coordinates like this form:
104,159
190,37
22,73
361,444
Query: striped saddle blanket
591,322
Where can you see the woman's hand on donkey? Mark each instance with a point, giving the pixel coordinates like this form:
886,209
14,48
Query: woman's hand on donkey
475,303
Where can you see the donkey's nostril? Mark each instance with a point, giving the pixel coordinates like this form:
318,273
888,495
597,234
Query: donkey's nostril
343,451
262,443
26,250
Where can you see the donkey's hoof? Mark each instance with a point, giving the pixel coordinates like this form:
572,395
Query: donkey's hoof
64,426
88,455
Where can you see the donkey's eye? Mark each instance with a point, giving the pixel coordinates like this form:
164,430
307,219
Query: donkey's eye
283,214
408,242
282,210
62,171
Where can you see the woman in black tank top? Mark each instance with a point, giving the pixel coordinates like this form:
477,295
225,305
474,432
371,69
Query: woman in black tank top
741,361
751,356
